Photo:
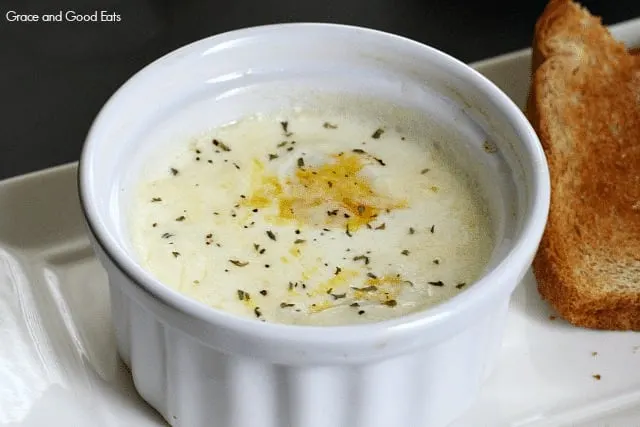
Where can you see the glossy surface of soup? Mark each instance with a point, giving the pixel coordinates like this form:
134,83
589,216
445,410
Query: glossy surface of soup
312,218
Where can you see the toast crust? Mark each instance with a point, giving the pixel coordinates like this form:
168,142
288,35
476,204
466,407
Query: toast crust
584,103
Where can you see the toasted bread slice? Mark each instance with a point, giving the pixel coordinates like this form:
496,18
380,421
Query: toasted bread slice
584,104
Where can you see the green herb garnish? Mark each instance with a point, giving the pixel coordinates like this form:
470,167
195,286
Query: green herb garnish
362,258
370,288
285,129
221,145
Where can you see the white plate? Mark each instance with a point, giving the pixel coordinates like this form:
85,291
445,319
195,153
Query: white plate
59,365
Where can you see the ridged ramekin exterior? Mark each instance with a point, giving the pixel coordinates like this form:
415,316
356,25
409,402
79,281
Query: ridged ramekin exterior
193,385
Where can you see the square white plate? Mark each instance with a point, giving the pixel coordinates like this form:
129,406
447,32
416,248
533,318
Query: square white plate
59,365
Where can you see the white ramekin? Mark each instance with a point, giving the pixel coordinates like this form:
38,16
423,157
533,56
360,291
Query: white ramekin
202,367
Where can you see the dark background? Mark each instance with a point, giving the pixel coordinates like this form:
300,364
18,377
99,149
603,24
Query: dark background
54,77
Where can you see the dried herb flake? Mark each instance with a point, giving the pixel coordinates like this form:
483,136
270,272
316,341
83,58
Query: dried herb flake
370,288
362,258
221,145
377,134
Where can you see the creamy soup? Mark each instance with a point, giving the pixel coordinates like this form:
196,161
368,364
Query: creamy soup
312,219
